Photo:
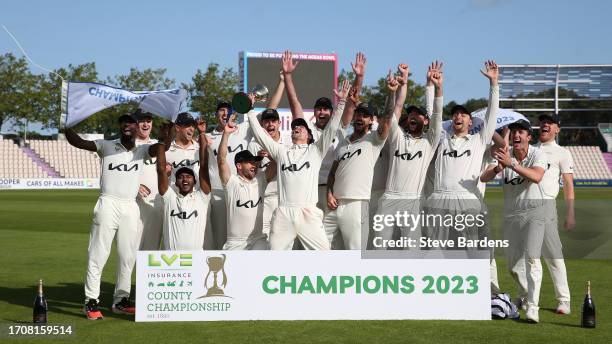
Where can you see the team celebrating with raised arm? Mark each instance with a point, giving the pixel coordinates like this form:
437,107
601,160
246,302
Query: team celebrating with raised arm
248,186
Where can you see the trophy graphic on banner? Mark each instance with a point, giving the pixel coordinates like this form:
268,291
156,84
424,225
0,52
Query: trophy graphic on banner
215,265
241,102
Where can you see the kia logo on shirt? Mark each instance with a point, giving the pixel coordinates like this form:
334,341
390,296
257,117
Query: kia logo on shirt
122,167
349,155
454,154
248,204
408,156
185,163
183,214
238,148
514,181
294,168
151,161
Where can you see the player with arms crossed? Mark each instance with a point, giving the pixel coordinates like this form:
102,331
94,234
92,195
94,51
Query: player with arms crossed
185,210
116,212
244,193
525,216
297,214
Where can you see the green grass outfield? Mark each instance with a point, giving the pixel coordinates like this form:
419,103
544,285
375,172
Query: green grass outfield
44,234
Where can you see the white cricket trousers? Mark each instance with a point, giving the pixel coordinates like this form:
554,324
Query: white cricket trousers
246,244
305,223
552,252
150,222
525,234
348,219
218,219
112,216
270,205
390,205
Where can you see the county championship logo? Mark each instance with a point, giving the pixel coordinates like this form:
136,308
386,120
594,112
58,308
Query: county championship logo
216,265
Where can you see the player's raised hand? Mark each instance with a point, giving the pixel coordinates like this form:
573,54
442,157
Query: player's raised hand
345,88
434,73
359,65
491,71
403,71
230,126
288,66
353,96
392,83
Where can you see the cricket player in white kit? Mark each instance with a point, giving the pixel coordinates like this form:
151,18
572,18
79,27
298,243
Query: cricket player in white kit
525,212
298,169
116,212
350,179
410,151
270,121
237,142
322,114
458,164
186,209
244,194
560,165
149,201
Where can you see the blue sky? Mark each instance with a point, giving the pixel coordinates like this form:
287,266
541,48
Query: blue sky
183,36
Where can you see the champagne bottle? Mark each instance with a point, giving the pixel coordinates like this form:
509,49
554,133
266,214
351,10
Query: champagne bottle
588,309
40,306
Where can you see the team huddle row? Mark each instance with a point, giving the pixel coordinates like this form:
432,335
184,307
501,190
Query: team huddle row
247,186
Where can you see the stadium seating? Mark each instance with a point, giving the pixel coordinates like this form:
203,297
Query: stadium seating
589,163
15,164
69,161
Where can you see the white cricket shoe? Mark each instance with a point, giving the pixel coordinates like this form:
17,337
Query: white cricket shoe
532,315
563,308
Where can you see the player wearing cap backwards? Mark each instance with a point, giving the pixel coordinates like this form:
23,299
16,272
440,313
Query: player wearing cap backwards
560,165
244,192
116,212
459,164
525,217
322,114
298,170
350,178
185,210
410,150
237,142
150,202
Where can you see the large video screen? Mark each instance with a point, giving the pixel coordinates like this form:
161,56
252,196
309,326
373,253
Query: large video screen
314,77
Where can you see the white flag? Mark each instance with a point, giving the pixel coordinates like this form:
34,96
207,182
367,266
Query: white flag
503,118
83,99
